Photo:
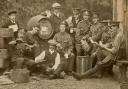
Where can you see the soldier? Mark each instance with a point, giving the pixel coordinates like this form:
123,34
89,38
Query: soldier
82,31
12,22
64,46
96,31
73,22
117,51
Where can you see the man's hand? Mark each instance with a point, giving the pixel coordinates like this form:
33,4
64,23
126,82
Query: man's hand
12,43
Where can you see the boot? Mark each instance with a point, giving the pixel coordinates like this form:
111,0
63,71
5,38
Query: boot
77,76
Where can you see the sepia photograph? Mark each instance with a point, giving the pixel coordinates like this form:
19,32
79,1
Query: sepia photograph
63,44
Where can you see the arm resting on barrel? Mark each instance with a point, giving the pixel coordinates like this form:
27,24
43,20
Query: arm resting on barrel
57,61
40,57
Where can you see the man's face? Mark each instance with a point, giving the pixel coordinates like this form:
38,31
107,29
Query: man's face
57,10
52,47
86,17
12,16
62,28
95,20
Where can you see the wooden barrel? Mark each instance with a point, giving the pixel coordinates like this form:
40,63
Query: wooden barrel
3,57
6,32
83,64
45,30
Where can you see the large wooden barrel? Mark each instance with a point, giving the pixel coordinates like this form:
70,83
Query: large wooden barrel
83,64
46,29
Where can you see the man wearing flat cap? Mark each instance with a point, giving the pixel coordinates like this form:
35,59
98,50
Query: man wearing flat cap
55,15
12,22
82,31
50,61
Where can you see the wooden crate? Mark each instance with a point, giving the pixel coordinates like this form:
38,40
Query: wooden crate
3,57
83,64
6,32
2,43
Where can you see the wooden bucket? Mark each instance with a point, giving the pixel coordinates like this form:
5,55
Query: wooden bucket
6,32
83,64
20,75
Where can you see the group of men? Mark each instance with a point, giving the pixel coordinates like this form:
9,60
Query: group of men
82,34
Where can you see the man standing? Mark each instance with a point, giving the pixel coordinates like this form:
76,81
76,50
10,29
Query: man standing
55,16
12,22
82,31
117,51
73,22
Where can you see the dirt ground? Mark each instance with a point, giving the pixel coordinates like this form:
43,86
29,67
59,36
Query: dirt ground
67,83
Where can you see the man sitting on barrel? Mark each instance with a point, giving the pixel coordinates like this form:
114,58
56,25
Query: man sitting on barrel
116,52
49,60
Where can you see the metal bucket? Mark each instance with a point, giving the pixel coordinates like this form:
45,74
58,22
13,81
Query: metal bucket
83,64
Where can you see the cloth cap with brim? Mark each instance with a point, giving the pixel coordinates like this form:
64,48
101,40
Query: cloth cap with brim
114,23
64,23
105,22
76,8
12,12
56,5
20,40
95,15
86,12
52,42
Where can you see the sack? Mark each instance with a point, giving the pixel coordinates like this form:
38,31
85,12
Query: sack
20,75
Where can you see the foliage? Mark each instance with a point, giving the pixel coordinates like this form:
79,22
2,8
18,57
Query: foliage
27,9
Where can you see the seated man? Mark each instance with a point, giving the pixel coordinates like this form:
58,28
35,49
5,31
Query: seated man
21,53
50,61
117,50
65,48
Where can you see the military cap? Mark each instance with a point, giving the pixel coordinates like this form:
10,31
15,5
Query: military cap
12,12
64,23
76,8
114,23
56,5
52,42
95,15
105,22
86,11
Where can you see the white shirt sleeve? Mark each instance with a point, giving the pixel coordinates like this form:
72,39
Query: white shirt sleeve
69,20
57,61
40,57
